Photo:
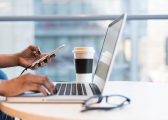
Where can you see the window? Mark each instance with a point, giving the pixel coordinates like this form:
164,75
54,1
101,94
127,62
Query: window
142,54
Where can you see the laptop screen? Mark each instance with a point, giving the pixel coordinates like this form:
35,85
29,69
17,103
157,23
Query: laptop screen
106,57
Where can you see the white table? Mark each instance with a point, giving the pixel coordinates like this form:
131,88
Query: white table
149,101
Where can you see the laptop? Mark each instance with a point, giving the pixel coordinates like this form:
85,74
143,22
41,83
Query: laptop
73,92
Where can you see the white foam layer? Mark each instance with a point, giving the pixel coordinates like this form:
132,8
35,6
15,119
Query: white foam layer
83,52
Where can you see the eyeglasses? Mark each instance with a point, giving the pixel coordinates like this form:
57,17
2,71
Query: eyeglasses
107,102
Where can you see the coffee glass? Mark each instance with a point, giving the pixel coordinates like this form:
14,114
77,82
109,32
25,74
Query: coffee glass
83,60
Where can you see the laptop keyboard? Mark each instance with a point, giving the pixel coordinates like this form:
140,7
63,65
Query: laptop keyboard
75,89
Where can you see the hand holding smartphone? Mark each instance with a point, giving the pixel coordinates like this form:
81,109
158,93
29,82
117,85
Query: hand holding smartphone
44,60
40,62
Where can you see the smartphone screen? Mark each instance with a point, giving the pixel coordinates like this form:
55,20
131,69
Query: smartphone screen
50,54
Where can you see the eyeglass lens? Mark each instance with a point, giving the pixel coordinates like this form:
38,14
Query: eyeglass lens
115,100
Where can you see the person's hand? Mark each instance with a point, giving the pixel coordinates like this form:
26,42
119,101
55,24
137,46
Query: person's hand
27,82
28,56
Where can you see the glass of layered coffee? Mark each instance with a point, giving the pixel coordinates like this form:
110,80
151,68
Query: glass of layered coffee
83,60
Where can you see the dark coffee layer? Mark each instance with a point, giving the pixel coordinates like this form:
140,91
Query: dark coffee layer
83,65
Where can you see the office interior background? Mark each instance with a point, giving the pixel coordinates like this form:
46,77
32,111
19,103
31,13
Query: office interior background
142,54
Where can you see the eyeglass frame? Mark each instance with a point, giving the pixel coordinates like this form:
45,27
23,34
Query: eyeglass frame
100,98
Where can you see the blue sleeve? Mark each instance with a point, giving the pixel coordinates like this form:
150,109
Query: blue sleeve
3,76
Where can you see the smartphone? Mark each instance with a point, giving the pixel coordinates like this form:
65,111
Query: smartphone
44,59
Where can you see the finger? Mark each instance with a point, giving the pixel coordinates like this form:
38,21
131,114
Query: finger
42,64
53,87
49,58
36,54
42,57
38,88
46,60
41,89
49,85
46,83
53,55
35,48
39,65
35,67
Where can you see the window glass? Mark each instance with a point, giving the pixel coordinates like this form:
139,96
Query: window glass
142,53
